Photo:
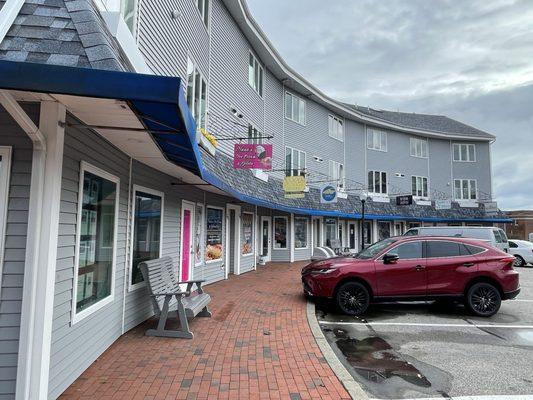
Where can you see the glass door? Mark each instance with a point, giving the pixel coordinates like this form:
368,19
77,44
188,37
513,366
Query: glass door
265,238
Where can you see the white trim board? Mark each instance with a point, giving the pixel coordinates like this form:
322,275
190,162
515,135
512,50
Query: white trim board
5,173
8,13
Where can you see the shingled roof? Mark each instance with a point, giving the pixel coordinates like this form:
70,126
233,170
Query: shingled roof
429,122
62,32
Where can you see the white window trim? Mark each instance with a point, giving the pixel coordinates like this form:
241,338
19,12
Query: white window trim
138,188
307,233
293,149
253,235
5,153
208,26
416,196
336,119
304,123
414,139
274,233
135,28
342,179
373,193
186,87
79,316
381,132
261,68
223,258
467,152
461,199
202,233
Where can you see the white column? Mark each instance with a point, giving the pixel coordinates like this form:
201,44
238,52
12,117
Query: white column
374,231
41,253
291,245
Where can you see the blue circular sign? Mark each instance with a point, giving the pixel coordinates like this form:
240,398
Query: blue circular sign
329,193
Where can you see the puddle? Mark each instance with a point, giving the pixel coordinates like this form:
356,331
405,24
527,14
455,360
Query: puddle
375,360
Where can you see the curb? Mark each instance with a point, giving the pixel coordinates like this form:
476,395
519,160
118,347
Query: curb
352,387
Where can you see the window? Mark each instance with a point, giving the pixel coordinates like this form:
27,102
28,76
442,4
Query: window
465,189
147,230
474,249
203,8
419,147
255,75
336,174
419,186
199,234
376,140
408,251
294,108
247,236
254,136
513,245
464,152
300,233
441,249
330,225
128,9
336,127
295,162
96,240
5,168
196,94
367,233
383,230
280,232
377,182
214,249
500,236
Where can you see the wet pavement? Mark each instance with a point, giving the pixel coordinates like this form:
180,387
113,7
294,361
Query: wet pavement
428,350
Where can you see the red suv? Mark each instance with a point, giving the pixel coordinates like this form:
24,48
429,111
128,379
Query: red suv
417,268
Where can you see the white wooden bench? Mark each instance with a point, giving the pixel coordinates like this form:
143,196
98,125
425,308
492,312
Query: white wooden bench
169,300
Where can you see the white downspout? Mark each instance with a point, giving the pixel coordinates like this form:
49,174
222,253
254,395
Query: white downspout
8,13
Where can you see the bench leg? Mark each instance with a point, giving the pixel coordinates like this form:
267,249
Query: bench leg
204,313
162,332
184,323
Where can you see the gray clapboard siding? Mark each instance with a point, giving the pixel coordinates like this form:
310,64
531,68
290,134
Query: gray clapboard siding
12,278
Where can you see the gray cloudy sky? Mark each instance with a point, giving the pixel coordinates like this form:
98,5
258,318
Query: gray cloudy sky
471,60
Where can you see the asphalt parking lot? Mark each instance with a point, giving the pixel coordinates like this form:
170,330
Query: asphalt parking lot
423,350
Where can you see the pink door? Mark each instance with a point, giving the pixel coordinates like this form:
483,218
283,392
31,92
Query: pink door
186,245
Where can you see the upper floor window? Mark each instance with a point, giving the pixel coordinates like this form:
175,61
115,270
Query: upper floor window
254,136
294,108
336,173
203,7
465,189
196,94
295,162
419,186
128,8
376,140
255,75
419,147
464,152
377,182
336,127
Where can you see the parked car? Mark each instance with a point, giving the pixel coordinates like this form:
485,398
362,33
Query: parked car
522,250
417,268
495,236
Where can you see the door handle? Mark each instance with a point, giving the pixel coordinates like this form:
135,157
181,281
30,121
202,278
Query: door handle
420,267
468,264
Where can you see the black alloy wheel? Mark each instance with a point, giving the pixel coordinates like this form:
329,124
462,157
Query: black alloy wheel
483,299
519,262
353,298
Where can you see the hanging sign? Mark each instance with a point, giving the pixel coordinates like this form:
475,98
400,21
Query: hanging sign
252,156
491,207
443,204
294,187
404,200
328,194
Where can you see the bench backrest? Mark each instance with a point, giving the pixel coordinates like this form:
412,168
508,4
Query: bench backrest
160,277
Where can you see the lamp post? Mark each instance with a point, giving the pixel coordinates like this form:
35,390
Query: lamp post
363,197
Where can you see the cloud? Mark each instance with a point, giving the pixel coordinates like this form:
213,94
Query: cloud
468,60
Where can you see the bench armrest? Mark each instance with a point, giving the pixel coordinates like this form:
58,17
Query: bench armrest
189,284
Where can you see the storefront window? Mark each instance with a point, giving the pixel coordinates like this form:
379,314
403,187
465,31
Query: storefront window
383,230
96,240
367,233
331,227
300,233
247,236
280,232
146,232
214,247
198,234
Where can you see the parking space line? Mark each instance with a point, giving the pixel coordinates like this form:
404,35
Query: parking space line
523,300
499,326
480,397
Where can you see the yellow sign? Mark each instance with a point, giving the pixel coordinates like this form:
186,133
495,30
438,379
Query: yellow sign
292,184
295,195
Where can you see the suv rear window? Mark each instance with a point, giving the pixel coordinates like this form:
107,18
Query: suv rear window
441,248
474,249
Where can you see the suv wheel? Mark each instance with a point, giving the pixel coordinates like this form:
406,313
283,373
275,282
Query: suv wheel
353,298
519,262
483,299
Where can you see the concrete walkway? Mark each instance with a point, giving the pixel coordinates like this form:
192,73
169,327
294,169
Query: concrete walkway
258,345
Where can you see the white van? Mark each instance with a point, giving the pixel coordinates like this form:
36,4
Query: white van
495,236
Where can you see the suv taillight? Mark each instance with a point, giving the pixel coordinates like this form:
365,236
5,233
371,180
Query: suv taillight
508,263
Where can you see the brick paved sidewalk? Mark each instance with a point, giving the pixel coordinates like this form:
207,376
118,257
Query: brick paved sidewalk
258,345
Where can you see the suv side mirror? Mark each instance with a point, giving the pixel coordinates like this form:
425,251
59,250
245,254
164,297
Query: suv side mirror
390,258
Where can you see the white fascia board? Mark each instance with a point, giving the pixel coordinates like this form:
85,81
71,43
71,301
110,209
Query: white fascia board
8,13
